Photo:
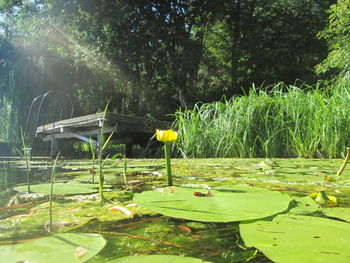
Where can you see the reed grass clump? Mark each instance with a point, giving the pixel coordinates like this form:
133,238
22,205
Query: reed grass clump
282,121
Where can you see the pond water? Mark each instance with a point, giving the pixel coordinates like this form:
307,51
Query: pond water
148,232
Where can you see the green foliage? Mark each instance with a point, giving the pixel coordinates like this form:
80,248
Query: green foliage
337,35
286,121
262,42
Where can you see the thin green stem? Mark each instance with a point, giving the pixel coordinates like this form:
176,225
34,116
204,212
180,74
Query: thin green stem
124,172
167,146
27,170
93,153
26,157
51,191
101,178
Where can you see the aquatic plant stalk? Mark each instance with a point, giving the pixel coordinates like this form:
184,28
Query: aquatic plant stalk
102,146
167,147
26,157
167,137
342,167
93,153
51,191
124,172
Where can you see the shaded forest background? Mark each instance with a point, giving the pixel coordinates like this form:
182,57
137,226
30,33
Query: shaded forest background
154,57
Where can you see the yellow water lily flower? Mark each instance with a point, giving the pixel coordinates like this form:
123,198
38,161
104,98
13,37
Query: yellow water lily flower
166,135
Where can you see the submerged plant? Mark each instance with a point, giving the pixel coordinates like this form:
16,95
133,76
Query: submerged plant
167,137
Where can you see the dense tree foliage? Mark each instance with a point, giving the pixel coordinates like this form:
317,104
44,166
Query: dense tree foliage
152,57
337,35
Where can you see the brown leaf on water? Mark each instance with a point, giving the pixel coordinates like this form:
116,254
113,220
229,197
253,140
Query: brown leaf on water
185,228
14,206
80,251
121,209
171,190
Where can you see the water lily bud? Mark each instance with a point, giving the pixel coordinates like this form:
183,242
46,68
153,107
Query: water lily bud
166,135
323,199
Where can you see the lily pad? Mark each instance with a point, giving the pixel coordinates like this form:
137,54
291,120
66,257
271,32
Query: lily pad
225,205
68,247
59,188
109,178
298,238
338,212
158,259
304,205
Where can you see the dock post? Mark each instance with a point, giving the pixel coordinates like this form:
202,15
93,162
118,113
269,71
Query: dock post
54,148
128,150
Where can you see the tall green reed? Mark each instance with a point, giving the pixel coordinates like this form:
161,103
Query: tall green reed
281,121
103,143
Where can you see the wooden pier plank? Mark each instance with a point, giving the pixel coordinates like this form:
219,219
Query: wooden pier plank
128,129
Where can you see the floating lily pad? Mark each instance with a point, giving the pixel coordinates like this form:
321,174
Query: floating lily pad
338,212
158,259
68,248
297,238
303,205
59,188
109,178
226,205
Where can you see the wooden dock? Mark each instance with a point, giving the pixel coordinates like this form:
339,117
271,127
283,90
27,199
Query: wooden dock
128,130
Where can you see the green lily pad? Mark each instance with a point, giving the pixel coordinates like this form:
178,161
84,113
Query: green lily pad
158,259
85,178
226,205
68,248
338,212
304,205
59,188
298,238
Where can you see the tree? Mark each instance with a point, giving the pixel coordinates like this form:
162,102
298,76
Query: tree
261,41
337,35
153,57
